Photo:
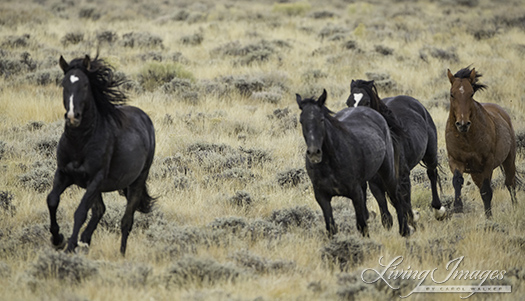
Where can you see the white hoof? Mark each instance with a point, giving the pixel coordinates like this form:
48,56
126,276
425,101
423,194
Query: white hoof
416,215
82,248
411,230
440,213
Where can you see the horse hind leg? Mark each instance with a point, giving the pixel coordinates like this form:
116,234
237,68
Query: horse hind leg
509,168
138,200
358,200
97,211
378,191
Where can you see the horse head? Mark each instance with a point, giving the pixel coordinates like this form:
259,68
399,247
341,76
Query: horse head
312,120
360,93
464,85
76,89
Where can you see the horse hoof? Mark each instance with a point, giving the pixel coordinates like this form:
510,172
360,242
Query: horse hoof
411,230
416,215
61,242
441,213
82,248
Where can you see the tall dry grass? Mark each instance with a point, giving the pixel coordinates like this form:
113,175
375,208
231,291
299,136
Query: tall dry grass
236,217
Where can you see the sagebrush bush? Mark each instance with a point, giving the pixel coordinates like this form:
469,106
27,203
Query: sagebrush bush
72,38
200,272
292,9
142,40
72,269
299,216
348,251
154,74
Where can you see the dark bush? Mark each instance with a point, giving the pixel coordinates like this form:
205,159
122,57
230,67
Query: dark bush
292,177
89,13
192,40
246,259
384,50
3,149
107,36
438,53
70,268
141,39
45,77
241,199
348,251
16,41
231,224
40,176
299,216
200,272
72,38
6,202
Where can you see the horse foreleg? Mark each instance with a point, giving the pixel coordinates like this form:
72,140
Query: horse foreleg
457,182
60,183
324,200
97,211
92,191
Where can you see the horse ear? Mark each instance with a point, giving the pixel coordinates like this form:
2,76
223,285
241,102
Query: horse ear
87,62
322,98
63,64
299,100
472,77
450,76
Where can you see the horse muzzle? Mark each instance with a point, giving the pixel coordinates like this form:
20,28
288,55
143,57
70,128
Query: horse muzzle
315,156
463,126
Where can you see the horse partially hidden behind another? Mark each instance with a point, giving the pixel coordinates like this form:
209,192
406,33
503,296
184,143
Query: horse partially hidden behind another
104,147
343,153
418,140
479,138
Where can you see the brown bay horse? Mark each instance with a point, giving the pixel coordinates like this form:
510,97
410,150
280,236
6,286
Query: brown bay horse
479,138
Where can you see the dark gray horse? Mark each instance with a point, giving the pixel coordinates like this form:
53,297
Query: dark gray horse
343,153
419,141
106,146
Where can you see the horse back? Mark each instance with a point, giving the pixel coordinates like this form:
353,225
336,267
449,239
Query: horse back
421,133
369,135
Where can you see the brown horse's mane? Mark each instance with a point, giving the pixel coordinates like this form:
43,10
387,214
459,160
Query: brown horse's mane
465,73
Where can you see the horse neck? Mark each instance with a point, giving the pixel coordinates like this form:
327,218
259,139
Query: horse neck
334,135
91,119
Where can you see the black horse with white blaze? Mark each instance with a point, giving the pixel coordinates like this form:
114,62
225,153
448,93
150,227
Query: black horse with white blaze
106,146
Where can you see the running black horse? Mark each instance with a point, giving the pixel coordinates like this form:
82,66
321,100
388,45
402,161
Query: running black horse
343,153
106,146
419,141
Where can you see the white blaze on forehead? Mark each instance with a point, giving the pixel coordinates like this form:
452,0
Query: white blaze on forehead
462,90
357,97
71,113
73,78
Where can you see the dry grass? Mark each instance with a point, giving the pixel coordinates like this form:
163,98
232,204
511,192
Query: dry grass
236,216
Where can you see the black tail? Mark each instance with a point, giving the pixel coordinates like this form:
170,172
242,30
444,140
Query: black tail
146,201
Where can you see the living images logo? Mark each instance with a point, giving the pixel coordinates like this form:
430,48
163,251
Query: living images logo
393,273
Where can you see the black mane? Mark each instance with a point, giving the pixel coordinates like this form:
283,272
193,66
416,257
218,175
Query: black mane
465,73
105,86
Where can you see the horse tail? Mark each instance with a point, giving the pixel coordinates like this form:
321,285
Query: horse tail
146,201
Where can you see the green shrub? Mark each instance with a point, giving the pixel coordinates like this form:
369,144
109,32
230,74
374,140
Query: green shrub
292,9
156,74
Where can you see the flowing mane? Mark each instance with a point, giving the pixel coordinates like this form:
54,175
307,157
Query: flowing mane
105,86
465,73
